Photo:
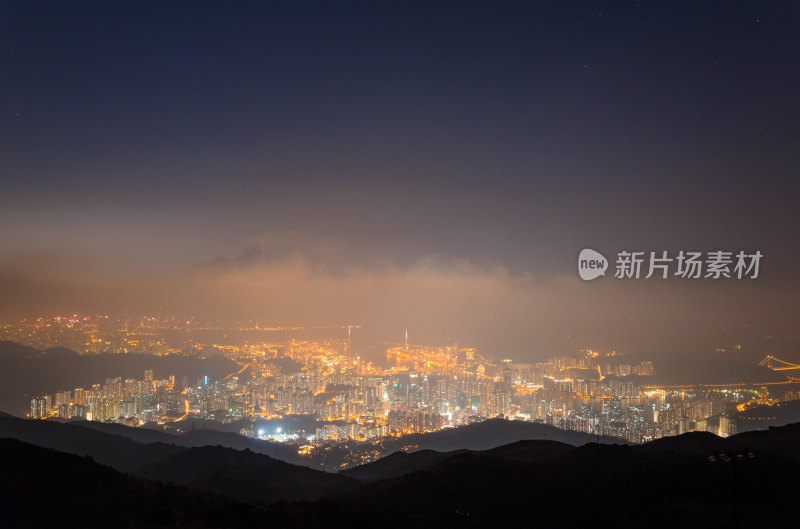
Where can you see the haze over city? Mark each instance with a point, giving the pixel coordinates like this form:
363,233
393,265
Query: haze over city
434,166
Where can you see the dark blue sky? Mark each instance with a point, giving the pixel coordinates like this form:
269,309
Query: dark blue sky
343,141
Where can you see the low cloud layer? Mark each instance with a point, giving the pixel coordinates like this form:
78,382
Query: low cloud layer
288,279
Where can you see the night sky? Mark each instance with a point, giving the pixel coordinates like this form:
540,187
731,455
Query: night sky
435,166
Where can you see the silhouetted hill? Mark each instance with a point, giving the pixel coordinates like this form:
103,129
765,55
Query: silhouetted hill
691,443
665,484
398,464
53,489
108,443
16,350
784,440
140,435
592,485
201,433
286,453
117,451
530,450
241,474
402,463
28,372
781,441
245,475
490,434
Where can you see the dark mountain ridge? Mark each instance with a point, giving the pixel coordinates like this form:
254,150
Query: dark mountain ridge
667,483
184,465
89,495
493,433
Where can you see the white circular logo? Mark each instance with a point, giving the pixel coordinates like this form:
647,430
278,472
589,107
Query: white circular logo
591,264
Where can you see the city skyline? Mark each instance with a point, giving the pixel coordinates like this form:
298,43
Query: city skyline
314,396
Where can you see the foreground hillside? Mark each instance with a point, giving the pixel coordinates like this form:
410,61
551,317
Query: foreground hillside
48,489
240,474
114,444
667,483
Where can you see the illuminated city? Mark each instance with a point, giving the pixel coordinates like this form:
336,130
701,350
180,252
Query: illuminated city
421,389
447,264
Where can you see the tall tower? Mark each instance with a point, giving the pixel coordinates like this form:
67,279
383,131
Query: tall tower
406,345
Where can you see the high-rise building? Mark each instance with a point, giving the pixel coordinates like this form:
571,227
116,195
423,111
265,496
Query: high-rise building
40,407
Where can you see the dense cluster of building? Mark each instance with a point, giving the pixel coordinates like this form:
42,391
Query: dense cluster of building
421,389
89,334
